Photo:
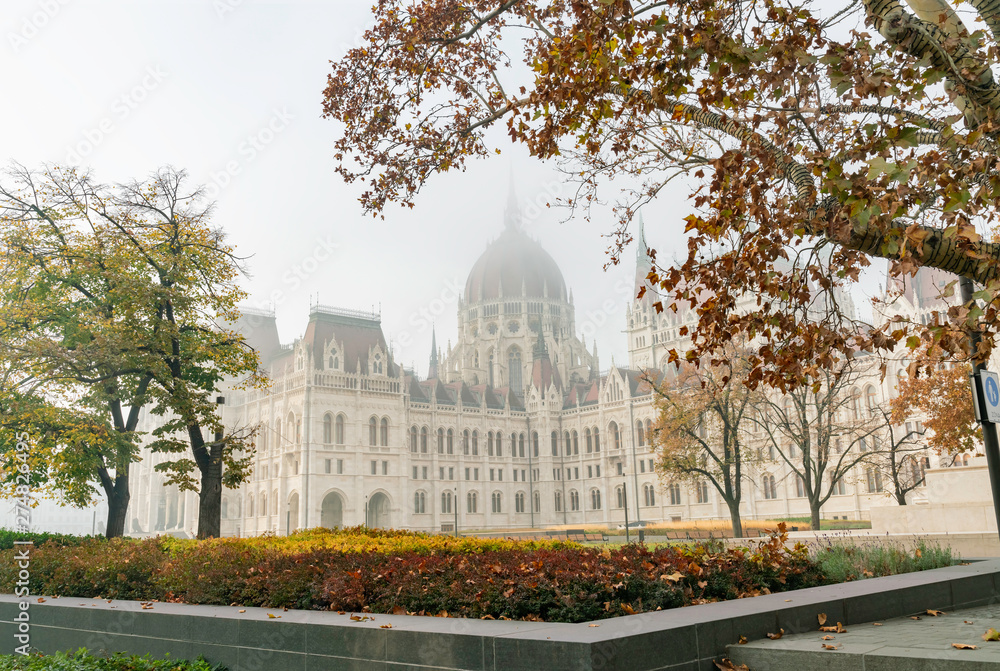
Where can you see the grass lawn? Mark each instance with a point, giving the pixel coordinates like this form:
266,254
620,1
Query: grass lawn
81,660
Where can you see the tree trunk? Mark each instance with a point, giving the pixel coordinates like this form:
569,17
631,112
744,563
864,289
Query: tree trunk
210,496
814,516
734,516
118,499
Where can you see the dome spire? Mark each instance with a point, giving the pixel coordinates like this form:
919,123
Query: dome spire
512,214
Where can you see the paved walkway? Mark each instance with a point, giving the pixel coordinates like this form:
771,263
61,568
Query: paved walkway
903,644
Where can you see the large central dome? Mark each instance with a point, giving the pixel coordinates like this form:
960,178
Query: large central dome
513,266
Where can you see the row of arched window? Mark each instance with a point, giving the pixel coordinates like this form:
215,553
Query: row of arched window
444,442
334,430
261,509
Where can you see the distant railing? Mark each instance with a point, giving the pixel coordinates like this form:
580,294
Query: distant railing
345,312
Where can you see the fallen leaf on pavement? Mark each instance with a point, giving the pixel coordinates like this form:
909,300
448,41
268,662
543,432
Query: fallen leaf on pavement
385,626
991,635
593,625
963,646
935,613
243,610
829,638
822,619
876,624
827,646
743,640
727,665
775,637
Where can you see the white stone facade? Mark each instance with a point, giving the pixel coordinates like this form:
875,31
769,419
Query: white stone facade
348,437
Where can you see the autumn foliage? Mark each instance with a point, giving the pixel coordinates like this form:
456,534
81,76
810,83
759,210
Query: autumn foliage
815,140
387,571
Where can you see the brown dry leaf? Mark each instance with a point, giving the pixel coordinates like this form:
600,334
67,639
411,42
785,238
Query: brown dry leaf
487,617
827,646
673,577
775,637
743,640
398,610
702,584
628,609
593,625
787,600
991,635
935,613
876,624
829,638
41,600
727,665
360,618
385,626
914,617
822,619
964,646
275,617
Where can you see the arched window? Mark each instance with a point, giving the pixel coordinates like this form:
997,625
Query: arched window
558,502
574,500
224,513
327,429
620,496
555,444
373,431
340,430
870,400
649,432
597,440
471,502
277,433
499,445
514,369
489,443
475,443
595,499
419,502
250,506
567,444
616,441
384,432
520,444
423,440
576,442
770,487
451,442
648,495
800,486
497,500
856,403
640,434
534,443
490,369
465,442
786,409
874,478
446,499
538,502
519,502
589,439
263,504
701,488
440,441
413,439
263,438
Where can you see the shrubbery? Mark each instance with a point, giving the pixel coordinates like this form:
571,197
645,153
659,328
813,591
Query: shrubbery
389,571
81,660
7,538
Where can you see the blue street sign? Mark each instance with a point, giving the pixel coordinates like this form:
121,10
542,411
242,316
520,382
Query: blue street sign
991,395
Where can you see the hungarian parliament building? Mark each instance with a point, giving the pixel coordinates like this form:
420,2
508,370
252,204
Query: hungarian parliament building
514,427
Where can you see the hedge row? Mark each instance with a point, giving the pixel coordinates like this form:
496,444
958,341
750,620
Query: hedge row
81,660
377,571
7,538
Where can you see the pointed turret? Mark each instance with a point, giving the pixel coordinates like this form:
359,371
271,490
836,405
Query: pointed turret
642,264
512,219
432,369
543,374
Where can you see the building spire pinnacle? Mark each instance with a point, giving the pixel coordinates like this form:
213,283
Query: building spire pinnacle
432,369
512,214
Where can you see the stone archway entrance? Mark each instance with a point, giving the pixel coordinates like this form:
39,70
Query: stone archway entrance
378,511
332,512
